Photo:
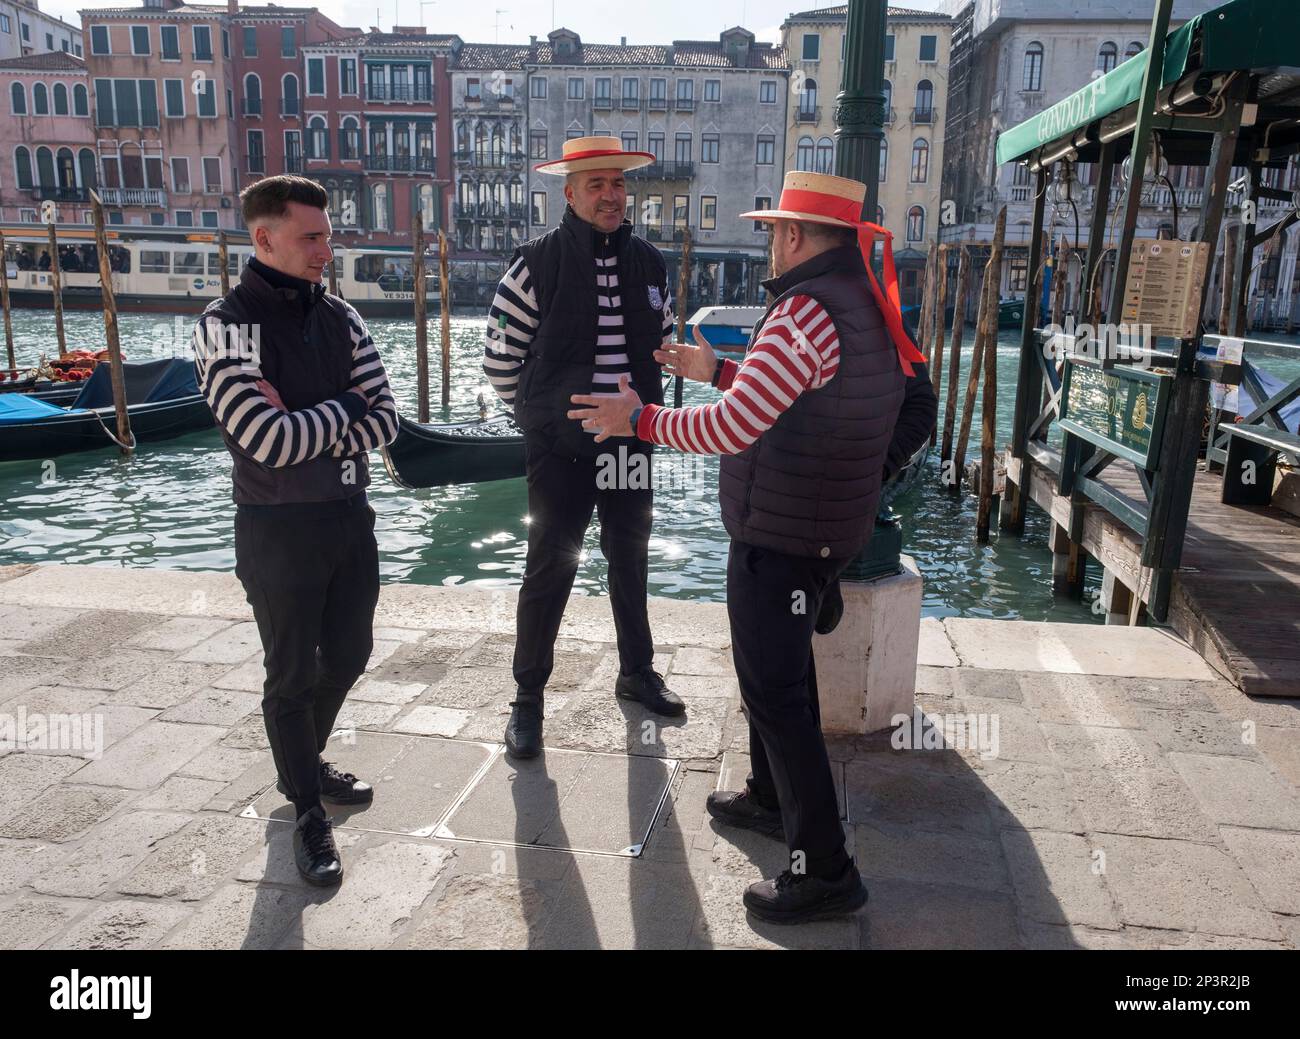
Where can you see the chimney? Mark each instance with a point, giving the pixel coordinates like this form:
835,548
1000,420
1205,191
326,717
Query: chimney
232,7
622,41
532,41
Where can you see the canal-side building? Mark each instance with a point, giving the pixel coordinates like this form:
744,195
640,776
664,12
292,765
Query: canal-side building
379,131
1012,59
26,30
714,115
47,140
912,150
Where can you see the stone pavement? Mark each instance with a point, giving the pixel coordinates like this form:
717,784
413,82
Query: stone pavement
1118,794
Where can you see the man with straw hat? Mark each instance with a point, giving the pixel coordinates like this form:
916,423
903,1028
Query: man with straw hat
804,427
581,308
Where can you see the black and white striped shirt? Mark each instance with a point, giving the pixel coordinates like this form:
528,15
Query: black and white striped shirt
229,371
513,319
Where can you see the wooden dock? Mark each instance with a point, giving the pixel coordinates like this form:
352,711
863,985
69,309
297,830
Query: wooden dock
1236,596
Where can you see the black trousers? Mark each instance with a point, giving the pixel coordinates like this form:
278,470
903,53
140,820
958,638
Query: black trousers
311,574
562,492
772,603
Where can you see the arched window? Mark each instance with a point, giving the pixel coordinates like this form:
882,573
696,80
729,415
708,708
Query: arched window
924,101
23,168
920,161
1132,50
498,146
481,144
825,155
1107,57
808,99
18,99
289,90
915,224
317,139
86,162
884,158
379,206
60,99
516,192
888,90
804,154
252,94
1033,75
40,100
880,215
66,168
350,139
45,168
462,136
80,100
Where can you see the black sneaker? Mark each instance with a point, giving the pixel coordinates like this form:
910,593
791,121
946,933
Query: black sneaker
339,788
314,851
795,898
524,729
646,687
343,788
738,808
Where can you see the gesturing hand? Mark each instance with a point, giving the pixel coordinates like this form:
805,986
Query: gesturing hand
270,393
608,414
690,362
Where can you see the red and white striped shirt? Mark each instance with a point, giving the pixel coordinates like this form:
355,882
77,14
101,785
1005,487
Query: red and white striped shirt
796,350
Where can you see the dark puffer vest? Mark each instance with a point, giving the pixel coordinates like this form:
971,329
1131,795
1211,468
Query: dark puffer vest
306,354
810,485
562,356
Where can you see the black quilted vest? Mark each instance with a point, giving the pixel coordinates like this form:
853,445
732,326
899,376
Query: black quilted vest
562,356
810,485
306,354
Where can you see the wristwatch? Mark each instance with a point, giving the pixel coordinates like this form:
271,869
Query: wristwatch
717,372
635,417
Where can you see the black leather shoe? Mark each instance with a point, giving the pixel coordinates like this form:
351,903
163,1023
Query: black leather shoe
343,788
738,808
793,898
524,729
339,788
314,851
646,687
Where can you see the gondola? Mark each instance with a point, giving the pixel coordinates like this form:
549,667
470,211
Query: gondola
429,455
163,401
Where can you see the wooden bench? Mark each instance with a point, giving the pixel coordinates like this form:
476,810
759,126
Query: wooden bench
1259,446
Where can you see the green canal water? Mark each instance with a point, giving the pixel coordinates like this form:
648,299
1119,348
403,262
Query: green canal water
169,506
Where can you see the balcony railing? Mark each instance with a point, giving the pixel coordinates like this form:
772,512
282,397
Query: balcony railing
685,104
890,115
657,233
289,107
293,164
133,196
808,115
664,171
257,164
252,106
399,91
402,163
630,104
924,116
56,194
657,104
603,103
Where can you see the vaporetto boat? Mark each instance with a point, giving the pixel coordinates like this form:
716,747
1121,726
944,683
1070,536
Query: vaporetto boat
177,269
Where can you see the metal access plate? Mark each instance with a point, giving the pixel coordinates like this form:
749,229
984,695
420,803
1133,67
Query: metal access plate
569,800
416,780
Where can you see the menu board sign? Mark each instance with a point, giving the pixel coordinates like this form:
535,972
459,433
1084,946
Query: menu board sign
1163,290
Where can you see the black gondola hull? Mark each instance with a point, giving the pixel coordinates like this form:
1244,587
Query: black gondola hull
65,434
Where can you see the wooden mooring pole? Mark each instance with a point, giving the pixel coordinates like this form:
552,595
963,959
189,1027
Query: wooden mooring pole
223,261
940,326
683,290
924,325
421,316
4,303
444,307
954,361
989,332
56,284
124,438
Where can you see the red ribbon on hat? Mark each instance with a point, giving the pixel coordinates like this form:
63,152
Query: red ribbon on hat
889,300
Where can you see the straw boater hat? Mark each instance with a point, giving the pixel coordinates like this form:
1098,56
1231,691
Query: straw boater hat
817,198
595,153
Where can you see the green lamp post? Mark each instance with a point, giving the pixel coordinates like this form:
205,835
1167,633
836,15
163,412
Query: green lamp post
859,129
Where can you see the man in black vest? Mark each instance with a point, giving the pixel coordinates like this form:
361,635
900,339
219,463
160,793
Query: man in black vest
804,428
580,308
300,396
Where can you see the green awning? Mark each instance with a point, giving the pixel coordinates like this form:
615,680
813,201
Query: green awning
1244,34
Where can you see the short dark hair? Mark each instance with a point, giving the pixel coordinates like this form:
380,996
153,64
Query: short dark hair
824,232
271,196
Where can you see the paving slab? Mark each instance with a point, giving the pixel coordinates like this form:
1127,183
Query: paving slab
1239,791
